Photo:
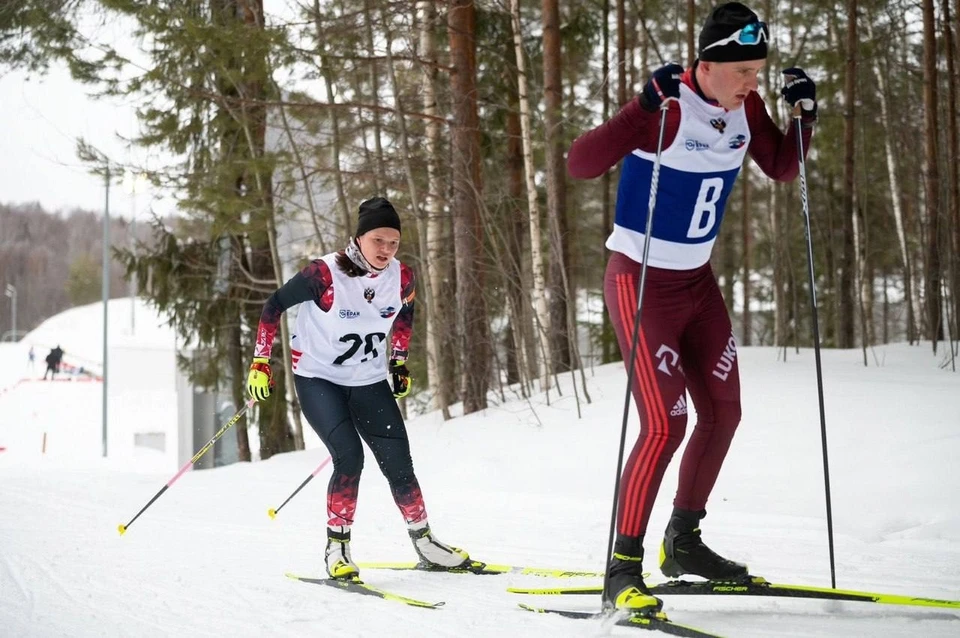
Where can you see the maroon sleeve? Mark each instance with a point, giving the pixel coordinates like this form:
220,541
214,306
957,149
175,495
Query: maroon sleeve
314,282
403,324
773,151
596,151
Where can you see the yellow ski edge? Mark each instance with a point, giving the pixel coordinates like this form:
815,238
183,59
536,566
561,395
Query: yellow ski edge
503,569
575,591
386,595
885,599
854,594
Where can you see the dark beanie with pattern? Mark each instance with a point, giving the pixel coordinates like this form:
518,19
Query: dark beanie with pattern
724,21
377,213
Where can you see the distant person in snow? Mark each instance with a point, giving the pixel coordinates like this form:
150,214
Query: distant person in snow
350,301
53,362
32,359
714,117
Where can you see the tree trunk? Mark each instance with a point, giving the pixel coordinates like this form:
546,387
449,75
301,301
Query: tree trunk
542,327
895,193
621,54
953,175
242,113
239,362
520,349
415,203
346,219
608,339
747,318
564,331
691,32
430,226
847,255
518,361
380,173
860,247
630,26
779,286
777,231
726,255
932,181
467,186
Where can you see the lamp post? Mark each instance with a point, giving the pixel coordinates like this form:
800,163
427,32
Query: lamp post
11,291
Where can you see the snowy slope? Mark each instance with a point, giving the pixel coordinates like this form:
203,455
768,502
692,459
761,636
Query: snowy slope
520,483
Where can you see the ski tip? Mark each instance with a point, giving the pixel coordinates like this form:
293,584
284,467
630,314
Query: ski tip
272,513
122,529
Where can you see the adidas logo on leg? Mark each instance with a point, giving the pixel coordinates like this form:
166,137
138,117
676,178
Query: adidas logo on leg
680,407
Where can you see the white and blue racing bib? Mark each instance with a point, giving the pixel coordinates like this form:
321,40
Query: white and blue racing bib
697,173
348,344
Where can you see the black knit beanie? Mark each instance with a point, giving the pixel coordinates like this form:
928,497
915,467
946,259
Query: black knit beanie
723,22
377,213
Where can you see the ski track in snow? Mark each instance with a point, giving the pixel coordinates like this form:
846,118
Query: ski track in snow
205,560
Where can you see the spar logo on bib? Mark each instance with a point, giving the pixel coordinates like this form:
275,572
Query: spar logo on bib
348,314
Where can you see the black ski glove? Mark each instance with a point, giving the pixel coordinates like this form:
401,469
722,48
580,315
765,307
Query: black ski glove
663,85
401,378
798,88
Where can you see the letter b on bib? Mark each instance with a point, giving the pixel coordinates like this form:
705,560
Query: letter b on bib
705,210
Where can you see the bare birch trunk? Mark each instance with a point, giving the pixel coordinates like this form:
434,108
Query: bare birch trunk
379,177
428,292
429,228
325,71
895,195
521,368
301,167
342,205
539,298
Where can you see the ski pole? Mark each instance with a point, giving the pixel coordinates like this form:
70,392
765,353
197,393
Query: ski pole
272,513
226,426
816,341
651,204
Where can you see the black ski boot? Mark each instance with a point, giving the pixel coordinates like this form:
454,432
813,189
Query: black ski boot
625,588
682,551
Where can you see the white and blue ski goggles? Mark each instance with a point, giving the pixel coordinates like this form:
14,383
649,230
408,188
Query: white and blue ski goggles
753,33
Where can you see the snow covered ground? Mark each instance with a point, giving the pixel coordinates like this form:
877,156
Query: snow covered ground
522,483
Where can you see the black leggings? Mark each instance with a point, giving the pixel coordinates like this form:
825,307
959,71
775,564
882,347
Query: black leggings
341,415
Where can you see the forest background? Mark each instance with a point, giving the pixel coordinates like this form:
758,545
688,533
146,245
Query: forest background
280,117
